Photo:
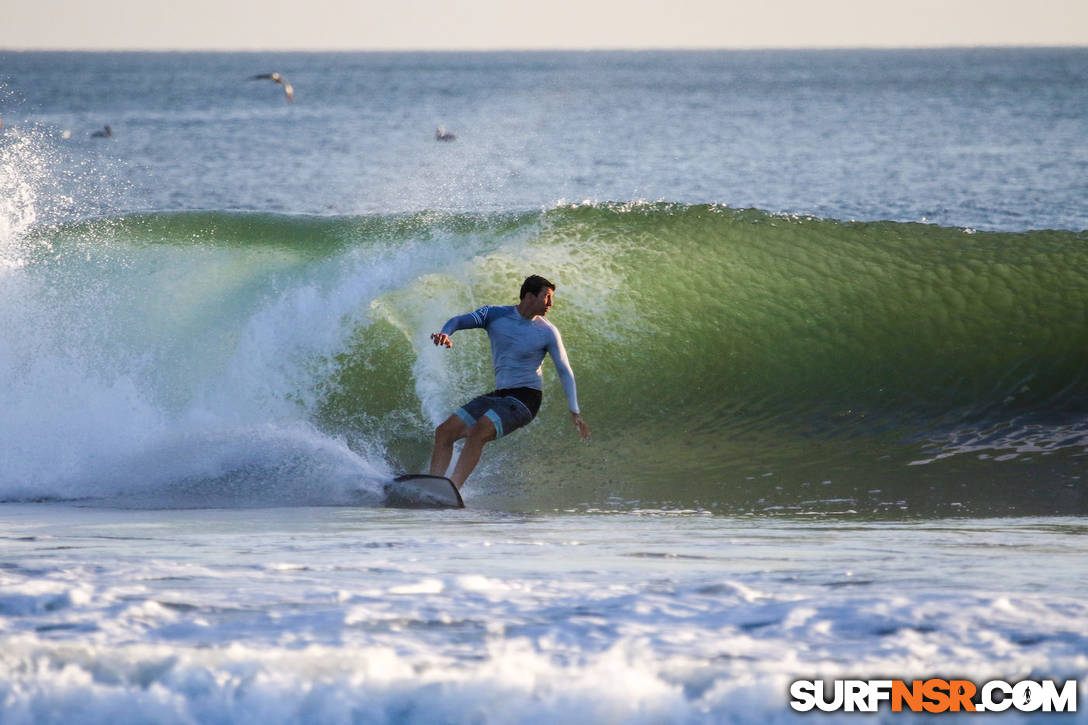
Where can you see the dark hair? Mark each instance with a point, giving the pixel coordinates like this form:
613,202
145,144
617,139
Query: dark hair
533,284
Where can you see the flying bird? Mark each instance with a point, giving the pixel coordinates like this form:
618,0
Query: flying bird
288,91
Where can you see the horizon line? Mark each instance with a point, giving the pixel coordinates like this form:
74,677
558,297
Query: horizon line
552,49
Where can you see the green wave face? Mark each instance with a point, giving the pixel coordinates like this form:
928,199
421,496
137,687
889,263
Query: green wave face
726,359
735,359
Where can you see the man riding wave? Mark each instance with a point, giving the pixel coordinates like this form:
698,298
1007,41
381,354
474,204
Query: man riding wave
520,337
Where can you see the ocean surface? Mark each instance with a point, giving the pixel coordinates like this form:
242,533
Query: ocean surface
828,314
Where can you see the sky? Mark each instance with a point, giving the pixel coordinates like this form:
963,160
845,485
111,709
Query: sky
544,24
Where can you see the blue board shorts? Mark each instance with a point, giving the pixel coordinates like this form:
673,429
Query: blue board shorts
508,409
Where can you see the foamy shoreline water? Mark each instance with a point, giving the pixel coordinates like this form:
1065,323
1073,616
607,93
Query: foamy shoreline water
369,615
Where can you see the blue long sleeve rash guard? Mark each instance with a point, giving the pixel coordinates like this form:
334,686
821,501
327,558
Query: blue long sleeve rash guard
518,346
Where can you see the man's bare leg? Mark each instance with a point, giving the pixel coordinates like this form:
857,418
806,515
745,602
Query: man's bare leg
479,434
445,435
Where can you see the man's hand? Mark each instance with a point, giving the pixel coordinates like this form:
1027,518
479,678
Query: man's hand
580,425
440,339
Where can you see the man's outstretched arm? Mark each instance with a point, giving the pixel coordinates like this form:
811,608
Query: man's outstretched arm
469,321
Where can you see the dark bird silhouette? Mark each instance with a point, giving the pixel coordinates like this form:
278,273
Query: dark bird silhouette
441,134
106,132
288,91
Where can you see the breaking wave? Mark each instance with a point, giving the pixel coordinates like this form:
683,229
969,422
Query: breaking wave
727,359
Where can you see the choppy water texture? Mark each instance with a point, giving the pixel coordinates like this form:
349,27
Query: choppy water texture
348,615
826,311
986,138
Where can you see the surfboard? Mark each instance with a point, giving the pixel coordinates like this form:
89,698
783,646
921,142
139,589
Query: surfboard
422,492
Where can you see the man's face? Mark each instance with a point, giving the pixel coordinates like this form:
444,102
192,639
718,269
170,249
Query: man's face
541,303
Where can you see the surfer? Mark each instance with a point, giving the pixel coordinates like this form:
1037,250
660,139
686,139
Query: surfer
520,337
441,134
